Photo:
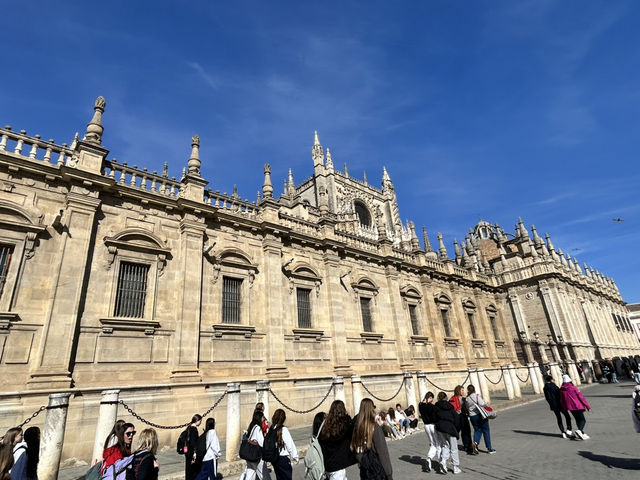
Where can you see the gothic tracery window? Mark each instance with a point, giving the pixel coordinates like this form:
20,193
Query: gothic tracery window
363,213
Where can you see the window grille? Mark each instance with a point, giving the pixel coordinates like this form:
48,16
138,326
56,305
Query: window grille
446,322
365,308
231,300
304,307
472,324
615,319
5,259
414,320
494,327
132,290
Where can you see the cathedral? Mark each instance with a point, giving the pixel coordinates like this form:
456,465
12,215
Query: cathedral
114,275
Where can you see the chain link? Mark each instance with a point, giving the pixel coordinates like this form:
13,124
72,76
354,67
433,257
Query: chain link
169,427
444,389
526,379
384,399
34,415
497,381
301,412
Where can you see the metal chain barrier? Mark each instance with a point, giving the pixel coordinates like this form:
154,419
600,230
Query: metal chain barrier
526,379
169,427
497,381
384,399
444,389
34,415
301,412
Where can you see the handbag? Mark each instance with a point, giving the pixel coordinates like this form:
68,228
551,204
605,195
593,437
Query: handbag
249,451
485,411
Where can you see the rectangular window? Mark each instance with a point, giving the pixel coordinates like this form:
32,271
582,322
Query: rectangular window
615,319
446,322
132,290
365,307
414,320
5,260
231,299
472,324
304,307
494,327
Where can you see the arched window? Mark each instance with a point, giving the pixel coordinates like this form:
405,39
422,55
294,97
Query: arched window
363,213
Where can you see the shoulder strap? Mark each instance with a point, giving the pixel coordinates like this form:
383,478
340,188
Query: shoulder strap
319,430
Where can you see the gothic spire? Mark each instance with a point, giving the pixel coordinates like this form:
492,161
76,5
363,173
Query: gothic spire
194,160
317,153
267,187
329,160
94,127
364,178
385,175
427,243
291,187
346,171
536,237
415,243
442,250
523,231
456,250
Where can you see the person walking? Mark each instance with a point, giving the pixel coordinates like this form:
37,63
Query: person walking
428,413
552,395
457,400
447,424
144,465
480,424
368,443
335,438
285,445
209,469
25,467
191,468
635,408
572,400
255,435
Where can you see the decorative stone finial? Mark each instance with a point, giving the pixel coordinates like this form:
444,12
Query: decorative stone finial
524,234
234,194
194,160
385,175
364,178
415,243
291,186
536,237
534,252
267,187
74,144
329,160
442,250
165,170
549,244
586,270
94,127
456,248
427,243
317,153
346,171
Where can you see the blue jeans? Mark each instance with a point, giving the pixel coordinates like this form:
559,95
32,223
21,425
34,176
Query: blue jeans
282,468
481,429
208,471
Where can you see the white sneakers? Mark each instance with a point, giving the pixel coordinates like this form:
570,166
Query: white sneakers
456,470
582,435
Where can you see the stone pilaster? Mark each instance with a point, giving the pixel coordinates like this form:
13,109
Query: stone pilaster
401,325
273,315
335,304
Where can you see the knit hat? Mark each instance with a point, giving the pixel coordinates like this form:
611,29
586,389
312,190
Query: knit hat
566,378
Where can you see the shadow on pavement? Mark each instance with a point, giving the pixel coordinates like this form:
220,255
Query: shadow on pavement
612,462
612,396
532,432
416,460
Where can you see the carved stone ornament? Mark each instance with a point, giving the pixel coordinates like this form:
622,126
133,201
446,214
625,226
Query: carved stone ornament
216,271
30,245
529,295
162,262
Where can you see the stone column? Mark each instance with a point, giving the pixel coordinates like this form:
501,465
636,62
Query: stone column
555,372
474,380
410,389
356,392
338,389
262,395
185,361
573,372
422,385
508,385
53,436
233,421
533,378
107,416
536,367
587,370
484,386
515,381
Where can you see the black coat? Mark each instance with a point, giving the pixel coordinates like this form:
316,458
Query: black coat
447,418
428,412
552,394
335,449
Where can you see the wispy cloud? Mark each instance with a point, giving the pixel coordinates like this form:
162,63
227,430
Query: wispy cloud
207,78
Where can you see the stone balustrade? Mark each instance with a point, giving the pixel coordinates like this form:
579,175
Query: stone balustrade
230,204
131,176
33,148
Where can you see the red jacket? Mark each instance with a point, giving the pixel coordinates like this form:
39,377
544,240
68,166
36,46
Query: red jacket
571,398
110,456
455,401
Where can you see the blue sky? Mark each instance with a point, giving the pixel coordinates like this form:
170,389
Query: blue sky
493,109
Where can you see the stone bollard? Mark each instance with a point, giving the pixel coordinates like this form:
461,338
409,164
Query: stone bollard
356,392
107,416
573,372
556,373
409,389
53,436
515,381
233,422
508,385
587,371
533,378
422,385
338,389
484,385
474,380
262,395
539,375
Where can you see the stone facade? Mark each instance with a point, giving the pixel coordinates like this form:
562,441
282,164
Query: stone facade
117,276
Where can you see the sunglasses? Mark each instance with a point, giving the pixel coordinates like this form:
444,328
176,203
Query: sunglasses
129,434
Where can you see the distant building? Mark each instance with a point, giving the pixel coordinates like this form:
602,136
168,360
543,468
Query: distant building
107,266
634,317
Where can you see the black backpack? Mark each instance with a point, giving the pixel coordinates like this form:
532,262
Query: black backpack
181,446
201,447
370,466
270,450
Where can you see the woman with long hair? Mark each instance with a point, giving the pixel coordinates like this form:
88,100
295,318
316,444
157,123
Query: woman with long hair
428,412
25,465
335,438
209,470
144,464
286,446
480,424
317,423
255,436
368,438
457,400
390,418
122,447
112,438
191,442
6,460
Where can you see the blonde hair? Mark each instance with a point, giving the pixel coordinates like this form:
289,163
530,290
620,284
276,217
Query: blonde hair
148,440
364,427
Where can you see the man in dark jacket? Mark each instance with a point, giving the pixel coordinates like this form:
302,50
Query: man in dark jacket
447,425
552,395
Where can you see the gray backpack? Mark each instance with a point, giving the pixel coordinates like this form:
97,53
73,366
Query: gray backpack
314,460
